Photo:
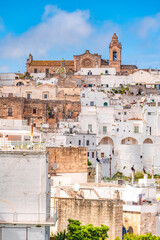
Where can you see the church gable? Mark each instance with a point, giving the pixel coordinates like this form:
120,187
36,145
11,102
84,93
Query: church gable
87,60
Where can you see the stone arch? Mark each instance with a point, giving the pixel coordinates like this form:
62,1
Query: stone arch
19,83
129,141
107,141
148,140
130,230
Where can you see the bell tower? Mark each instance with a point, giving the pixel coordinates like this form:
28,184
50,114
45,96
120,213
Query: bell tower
115,53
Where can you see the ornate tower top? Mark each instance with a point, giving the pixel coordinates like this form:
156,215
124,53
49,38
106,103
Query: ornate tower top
115,41
115,53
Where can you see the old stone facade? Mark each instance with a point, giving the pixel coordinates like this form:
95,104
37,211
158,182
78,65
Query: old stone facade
68,159
90,211
41,111
140,223
86,60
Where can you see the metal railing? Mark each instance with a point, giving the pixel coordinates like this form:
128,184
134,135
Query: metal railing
48,218
23,146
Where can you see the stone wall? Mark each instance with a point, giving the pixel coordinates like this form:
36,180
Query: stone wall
15,105
148,223
132,219
68,159
107,212
42,111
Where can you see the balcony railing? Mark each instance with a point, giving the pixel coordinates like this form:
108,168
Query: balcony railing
32,218
23,146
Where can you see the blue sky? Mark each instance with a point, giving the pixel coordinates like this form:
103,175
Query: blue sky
60,29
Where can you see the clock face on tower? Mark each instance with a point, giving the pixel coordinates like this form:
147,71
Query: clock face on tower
87,63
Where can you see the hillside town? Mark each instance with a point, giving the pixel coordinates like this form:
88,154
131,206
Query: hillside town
80,139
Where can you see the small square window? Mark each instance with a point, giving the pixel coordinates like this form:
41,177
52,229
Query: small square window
79,142
119,113
28,96
92,154
45,96
104,130
34,110
87,142
9,112
136,129
91,103
102,155
35,70
88,154
90,127
125,113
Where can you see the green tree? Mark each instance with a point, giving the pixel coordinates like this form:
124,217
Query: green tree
76,231
60,236
148,236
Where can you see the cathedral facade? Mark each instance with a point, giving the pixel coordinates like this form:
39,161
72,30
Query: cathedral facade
86,60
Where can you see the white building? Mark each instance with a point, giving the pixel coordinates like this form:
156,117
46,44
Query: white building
25,196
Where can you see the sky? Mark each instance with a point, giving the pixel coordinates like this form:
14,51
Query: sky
59,29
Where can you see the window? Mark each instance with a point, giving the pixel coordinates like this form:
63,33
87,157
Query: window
102,155
104,130
34,124
88,154
119,113
92,154
51,113
28,96
79,142
90,127
89,72
91,103
87,142
10,112
114,56
83,95
105,104
117,129
107,85
106,71
35,70
47,70
34,110
125,113
89,85
45,96
71,130
136,129
69,114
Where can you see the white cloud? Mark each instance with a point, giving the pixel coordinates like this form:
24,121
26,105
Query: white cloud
57,29
148,25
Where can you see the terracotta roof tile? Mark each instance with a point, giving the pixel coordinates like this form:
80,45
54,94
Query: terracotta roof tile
52,63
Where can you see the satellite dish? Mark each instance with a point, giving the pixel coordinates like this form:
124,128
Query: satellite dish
55,166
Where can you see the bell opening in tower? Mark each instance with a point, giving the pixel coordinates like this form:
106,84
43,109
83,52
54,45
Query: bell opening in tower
114,56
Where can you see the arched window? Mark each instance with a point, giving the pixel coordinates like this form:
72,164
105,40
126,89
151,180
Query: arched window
105,104
114,56
19,84
130,230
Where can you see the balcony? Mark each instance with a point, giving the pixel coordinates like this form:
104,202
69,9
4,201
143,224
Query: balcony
30,218
21,146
